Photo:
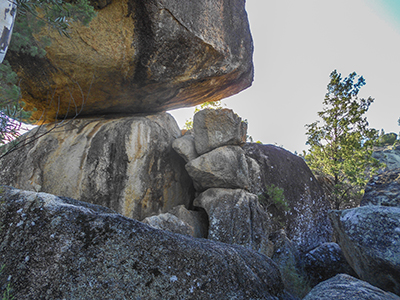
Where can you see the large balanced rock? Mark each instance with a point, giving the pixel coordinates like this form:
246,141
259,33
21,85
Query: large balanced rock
370,239
141,56
306,218
235,217
57,249
346,287
214,128
125,163
383,189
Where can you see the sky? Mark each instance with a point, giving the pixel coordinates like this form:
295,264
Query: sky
297,45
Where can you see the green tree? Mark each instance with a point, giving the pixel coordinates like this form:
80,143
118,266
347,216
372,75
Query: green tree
341,143
32,16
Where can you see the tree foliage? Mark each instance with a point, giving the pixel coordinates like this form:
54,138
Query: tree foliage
32,16
341,143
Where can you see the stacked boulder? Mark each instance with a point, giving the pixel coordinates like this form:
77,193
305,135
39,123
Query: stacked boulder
223,176
369,235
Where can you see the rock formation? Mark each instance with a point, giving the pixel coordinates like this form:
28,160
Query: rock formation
125,163
236,217
140,56
53,248
306,220
383,189
345,287
370,239
389,155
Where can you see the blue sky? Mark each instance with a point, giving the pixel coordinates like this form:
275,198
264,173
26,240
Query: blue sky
297,45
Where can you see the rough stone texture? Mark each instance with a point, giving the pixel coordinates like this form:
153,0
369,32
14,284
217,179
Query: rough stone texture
383,189
306,222
285,255
126,164
52,249
388,155
180,220
214,128
235,217
141,56
345,287
370,239
224,167
184,146
325,262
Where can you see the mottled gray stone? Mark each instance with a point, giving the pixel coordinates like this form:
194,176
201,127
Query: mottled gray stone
181,220
236,217
214,128
224,167
52,249
325,262
124,163
184,146
346,287
370,239
306,222
383,189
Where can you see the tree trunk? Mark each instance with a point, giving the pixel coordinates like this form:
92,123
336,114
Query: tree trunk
8,12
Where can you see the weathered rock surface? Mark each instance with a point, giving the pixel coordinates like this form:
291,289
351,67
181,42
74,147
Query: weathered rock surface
370,239
236,217
214,128
184,146
126,164
224,167
181,220
325,262
53,249
141,56
345,287
383,189
389,156
306,222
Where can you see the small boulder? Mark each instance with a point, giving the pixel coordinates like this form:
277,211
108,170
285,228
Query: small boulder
52,249
181,220
325,262
235,217
224,167
383,189
346,287
370,239
184,146
214,128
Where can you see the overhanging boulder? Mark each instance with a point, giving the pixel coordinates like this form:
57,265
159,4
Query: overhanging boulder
141,56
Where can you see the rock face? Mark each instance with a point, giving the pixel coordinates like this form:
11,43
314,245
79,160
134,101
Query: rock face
388,155
214,128
126,164
224,167
383,189
141,56
325,262
345,287
370,239
306,221
184,146
55,249
235,217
